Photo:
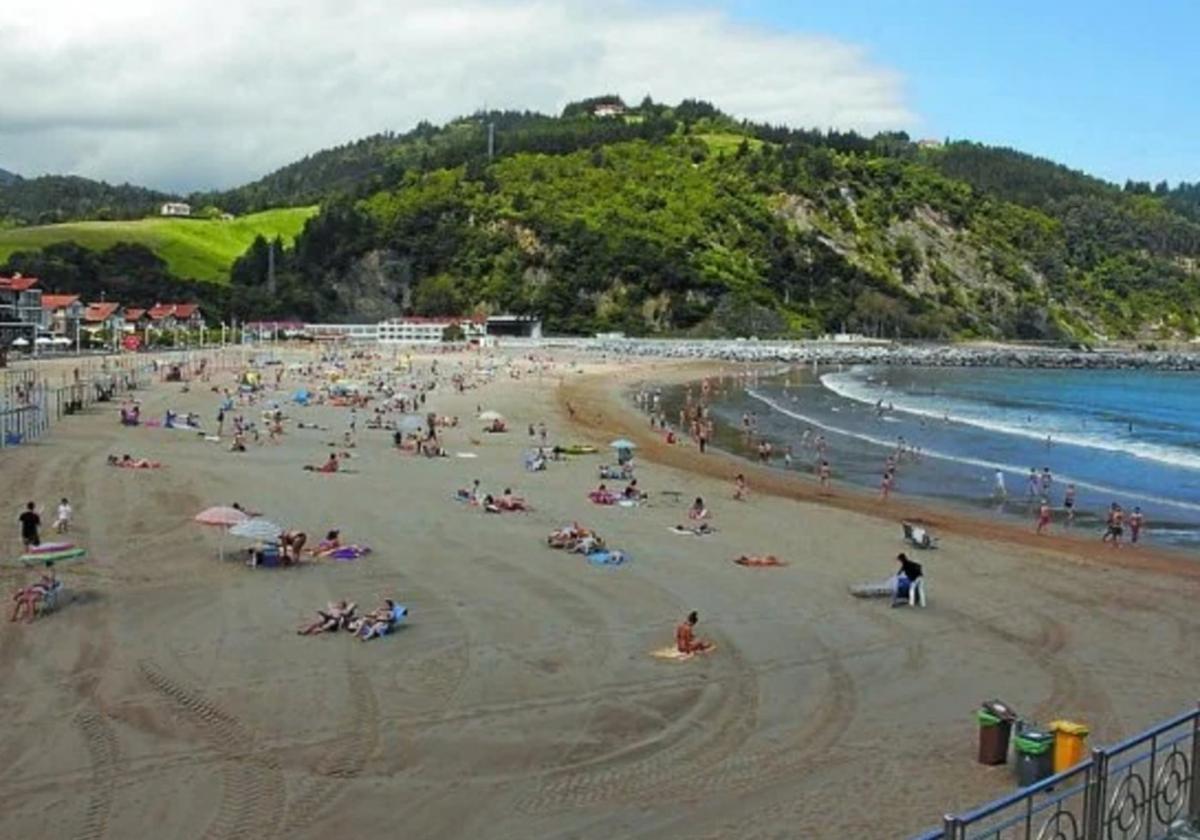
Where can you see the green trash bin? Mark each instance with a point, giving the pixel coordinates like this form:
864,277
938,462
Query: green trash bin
1035,756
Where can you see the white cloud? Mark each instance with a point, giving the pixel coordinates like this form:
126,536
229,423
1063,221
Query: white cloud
200,93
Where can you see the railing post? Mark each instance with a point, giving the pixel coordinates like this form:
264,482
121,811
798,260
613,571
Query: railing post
1093,801
1194,787
950,827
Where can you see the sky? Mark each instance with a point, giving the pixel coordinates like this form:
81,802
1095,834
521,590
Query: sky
195,94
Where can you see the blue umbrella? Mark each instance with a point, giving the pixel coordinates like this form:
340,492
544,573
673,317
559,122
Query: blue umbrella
622,443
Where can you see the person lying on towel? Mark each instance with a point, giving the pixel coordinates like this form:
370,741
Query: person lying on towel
685,637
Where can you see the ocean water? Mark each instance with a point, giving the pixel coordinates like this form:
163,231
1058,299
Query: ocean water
1132,437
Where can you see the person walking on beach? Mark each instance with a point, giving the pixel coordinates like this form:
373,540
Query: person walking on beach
787,456
1115,527
823,473
30,523
1034,484
740,490
62,519
1069,504
1136,521
885,485
1047,481
999,491
1043,517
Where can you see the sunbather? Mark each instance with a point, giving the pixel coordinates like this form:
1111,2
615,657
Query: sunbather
335,616
758,560
632,491
382,620
330,466
603,496
330,544
508,502
29,597
685,638
698,511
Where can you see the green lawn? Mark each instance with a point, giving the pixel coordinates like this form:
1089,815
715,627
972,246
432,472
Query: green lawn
726,142
193,248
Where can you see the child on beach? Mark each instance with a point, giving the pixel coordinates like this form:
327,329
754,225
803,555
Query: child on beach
62,520
1043,517
30,523
1136,521
740,490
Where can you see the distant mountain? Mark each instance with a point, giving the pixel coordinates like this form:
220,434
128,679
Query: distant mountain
61,198
7,177
681,220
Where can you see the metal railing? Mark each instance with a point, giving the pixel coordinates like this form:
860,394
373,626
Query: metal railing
1139,789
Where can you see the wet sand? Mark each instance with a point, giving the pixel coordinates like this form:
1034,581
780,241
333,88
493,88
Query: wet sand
173,698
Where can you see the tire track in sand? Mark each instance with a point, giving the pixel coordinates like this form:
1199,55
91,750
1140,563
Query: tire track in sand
252,797
709,730
345,761
103,755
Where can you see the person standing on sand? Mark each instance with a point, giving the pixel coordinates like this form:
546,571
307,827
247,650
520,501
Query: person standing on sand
1136,521
787,457
1069,504
999,491
885,485
1043,517
30,523
62,519
823,473
1115,526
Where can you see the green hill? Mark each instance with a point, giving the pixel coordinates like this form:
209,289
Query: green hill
198,249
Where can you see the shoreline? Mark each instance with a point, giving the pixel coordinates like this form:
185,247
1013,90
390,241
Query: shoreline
601,409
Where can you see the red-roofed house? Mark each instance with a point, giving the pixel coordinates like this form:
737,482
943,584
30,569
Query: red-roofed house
62,314
103,316
168,316
135,318
20,300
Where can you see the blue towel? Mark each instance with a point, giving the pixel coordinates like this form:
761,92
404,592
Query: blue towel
607,558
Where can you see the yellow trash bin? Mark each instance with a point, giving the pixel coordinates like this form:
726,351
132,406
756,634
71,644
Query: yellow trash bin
1070,744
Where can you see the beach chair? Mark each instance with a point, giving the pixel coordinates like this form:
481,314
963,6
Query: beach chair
917,536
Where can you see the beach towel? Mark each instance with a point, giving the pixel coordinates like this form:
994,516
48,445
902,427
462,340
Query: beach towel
605,557
350,552
673,654
51,548
691,532
465,455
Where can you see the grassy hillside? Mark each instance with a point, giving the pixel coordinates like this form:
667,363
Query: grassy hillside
192,248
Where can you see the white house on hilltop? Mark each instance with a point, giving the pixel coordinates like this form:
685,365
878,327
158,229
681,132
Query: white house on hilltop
176,208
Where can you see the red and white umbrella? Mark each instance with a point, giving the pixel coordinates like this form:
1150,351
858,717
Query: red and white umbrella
221,517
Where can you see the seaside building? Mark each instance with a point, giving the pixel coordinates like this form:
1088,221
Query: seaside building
62,315
429,330
134,319
175,208
105,316
169,316
514,326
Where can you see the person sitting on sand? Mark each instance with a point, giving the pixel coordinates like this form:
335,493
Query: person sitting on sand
698,512
602,496
239,442
510,503
740,491
632,491
28,597
330,466
331,543
335,616
489,504
685,638
381,621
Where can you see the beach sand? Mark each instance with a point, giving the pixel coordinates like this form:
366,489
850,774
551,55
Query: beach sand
173,697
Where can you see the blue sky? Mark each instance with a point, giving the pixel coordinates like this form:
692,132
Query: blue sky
1108,87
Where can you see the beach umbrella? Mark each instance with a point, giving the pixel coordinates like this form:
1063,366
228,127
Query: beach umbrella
20,342
257,529
43,340
221,517
490,416
61,341
622,443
